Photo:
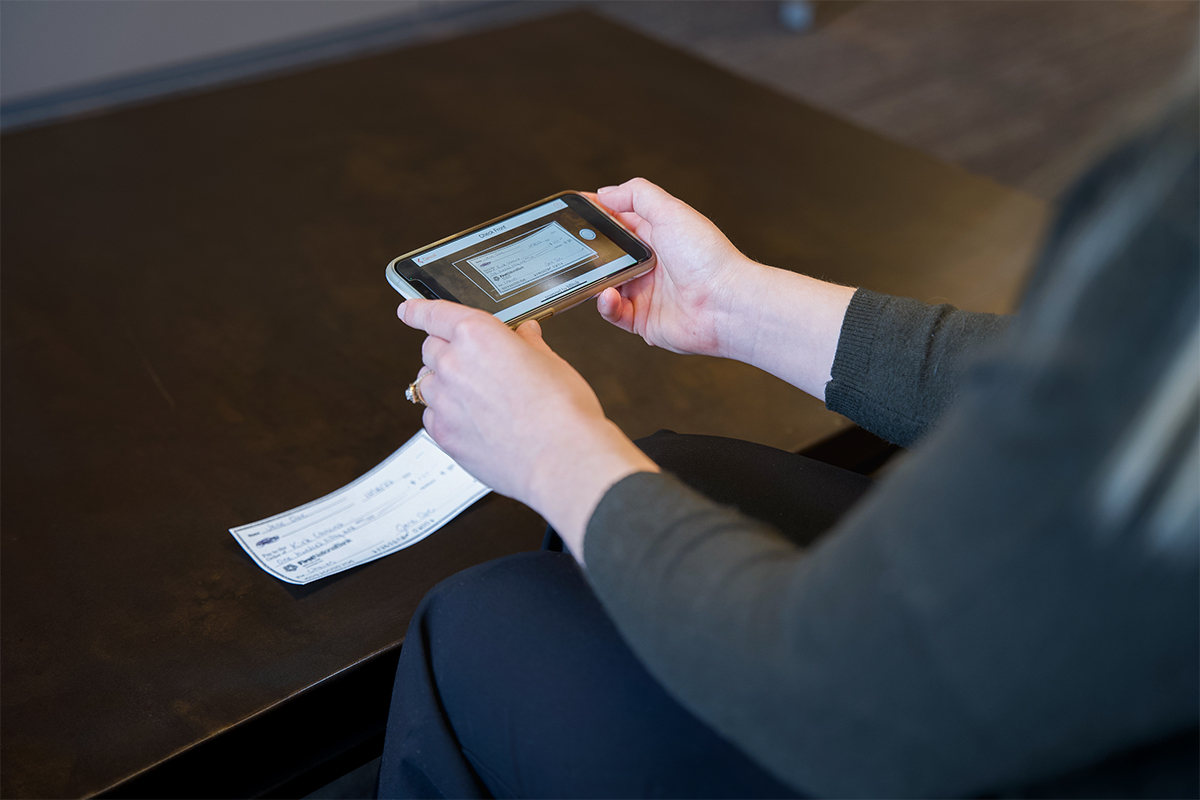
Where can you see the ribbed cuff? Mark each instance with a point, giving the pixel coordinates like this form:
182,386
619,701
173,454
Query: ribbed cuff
852,362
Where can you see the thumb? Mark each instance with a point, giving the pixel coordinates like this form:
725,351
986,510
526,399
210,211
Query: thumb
531,332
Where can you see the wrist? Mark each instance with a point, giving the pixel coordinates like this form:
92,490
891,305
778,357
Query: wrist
784,323
797,327
568,482
737,309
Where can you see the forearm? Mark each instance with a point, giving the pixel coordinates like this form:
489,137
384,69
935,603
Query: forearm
784,323
569,481
874,664
891,364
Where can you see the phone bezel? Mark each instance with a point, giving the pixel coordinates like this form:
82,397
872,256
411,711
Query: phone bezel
611,227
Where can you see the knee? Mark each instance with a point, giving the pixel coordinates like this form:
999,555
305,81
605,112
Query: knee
511,579
660,444
696,459
493,605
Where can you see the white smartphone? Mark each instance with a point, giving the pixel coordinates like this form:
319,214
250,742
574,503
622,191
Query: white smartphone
529,264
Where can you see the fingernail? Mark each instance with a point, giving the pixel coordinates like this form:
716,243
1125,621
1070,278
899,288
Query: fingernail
400,311
604,189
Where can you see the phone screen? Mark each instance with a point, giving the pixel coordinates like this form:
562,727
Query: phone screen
526,260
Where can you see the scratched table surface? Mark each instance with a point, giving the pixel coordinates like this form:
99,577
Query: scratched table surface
197,334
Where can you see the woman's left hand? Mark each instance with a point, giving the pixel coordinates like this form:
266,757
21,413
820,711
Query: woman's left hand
518,417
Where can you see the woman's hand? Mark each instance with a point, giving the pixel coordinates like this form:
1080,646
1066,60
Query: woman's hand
687,302
706,297
518,417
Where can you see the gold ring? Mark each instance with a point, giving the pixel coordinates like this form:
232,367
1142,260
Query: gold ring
413,392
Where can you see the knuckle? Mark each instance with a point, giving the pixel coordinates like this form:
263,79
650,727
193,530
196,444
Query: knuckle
473,328
461,329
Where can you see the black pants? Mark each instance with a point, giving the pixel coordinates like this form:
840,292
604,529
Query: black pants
514,683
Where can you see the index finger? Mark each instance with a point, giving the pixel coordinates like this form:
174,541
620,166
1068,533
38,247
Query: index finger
638,195
436,317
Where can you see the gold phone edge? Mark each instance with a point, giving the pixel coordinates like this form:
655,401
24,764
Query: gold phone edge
585,293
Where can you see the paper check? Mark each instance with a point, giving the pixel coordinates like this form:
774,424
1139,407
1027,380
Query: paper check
411,494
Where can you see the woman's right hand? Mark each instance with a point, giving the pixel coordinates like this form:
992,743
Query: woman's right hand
686,303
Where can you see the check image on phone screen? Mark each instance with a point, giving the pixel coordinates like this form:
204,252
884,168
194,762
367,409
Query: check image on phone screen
524,262
527,258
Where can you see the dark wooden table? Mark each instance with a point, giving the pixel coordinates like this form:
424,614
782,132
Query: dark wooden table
197,334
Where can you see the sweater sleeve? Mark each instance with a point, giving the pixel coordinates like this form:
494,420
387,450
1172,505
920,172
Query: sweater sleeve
959,634
899,362
970,627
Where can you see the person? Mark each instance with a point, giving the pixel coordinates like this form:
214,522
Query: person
1011,611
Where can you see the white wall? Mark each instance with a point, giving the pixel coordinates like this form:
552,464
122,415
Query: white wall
49,45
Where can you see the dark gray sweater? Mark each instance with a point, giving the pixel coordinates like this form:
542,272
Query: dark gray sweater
970,627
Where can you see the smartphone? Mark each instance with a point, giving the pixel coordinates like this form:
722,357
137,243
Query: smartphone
529,264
